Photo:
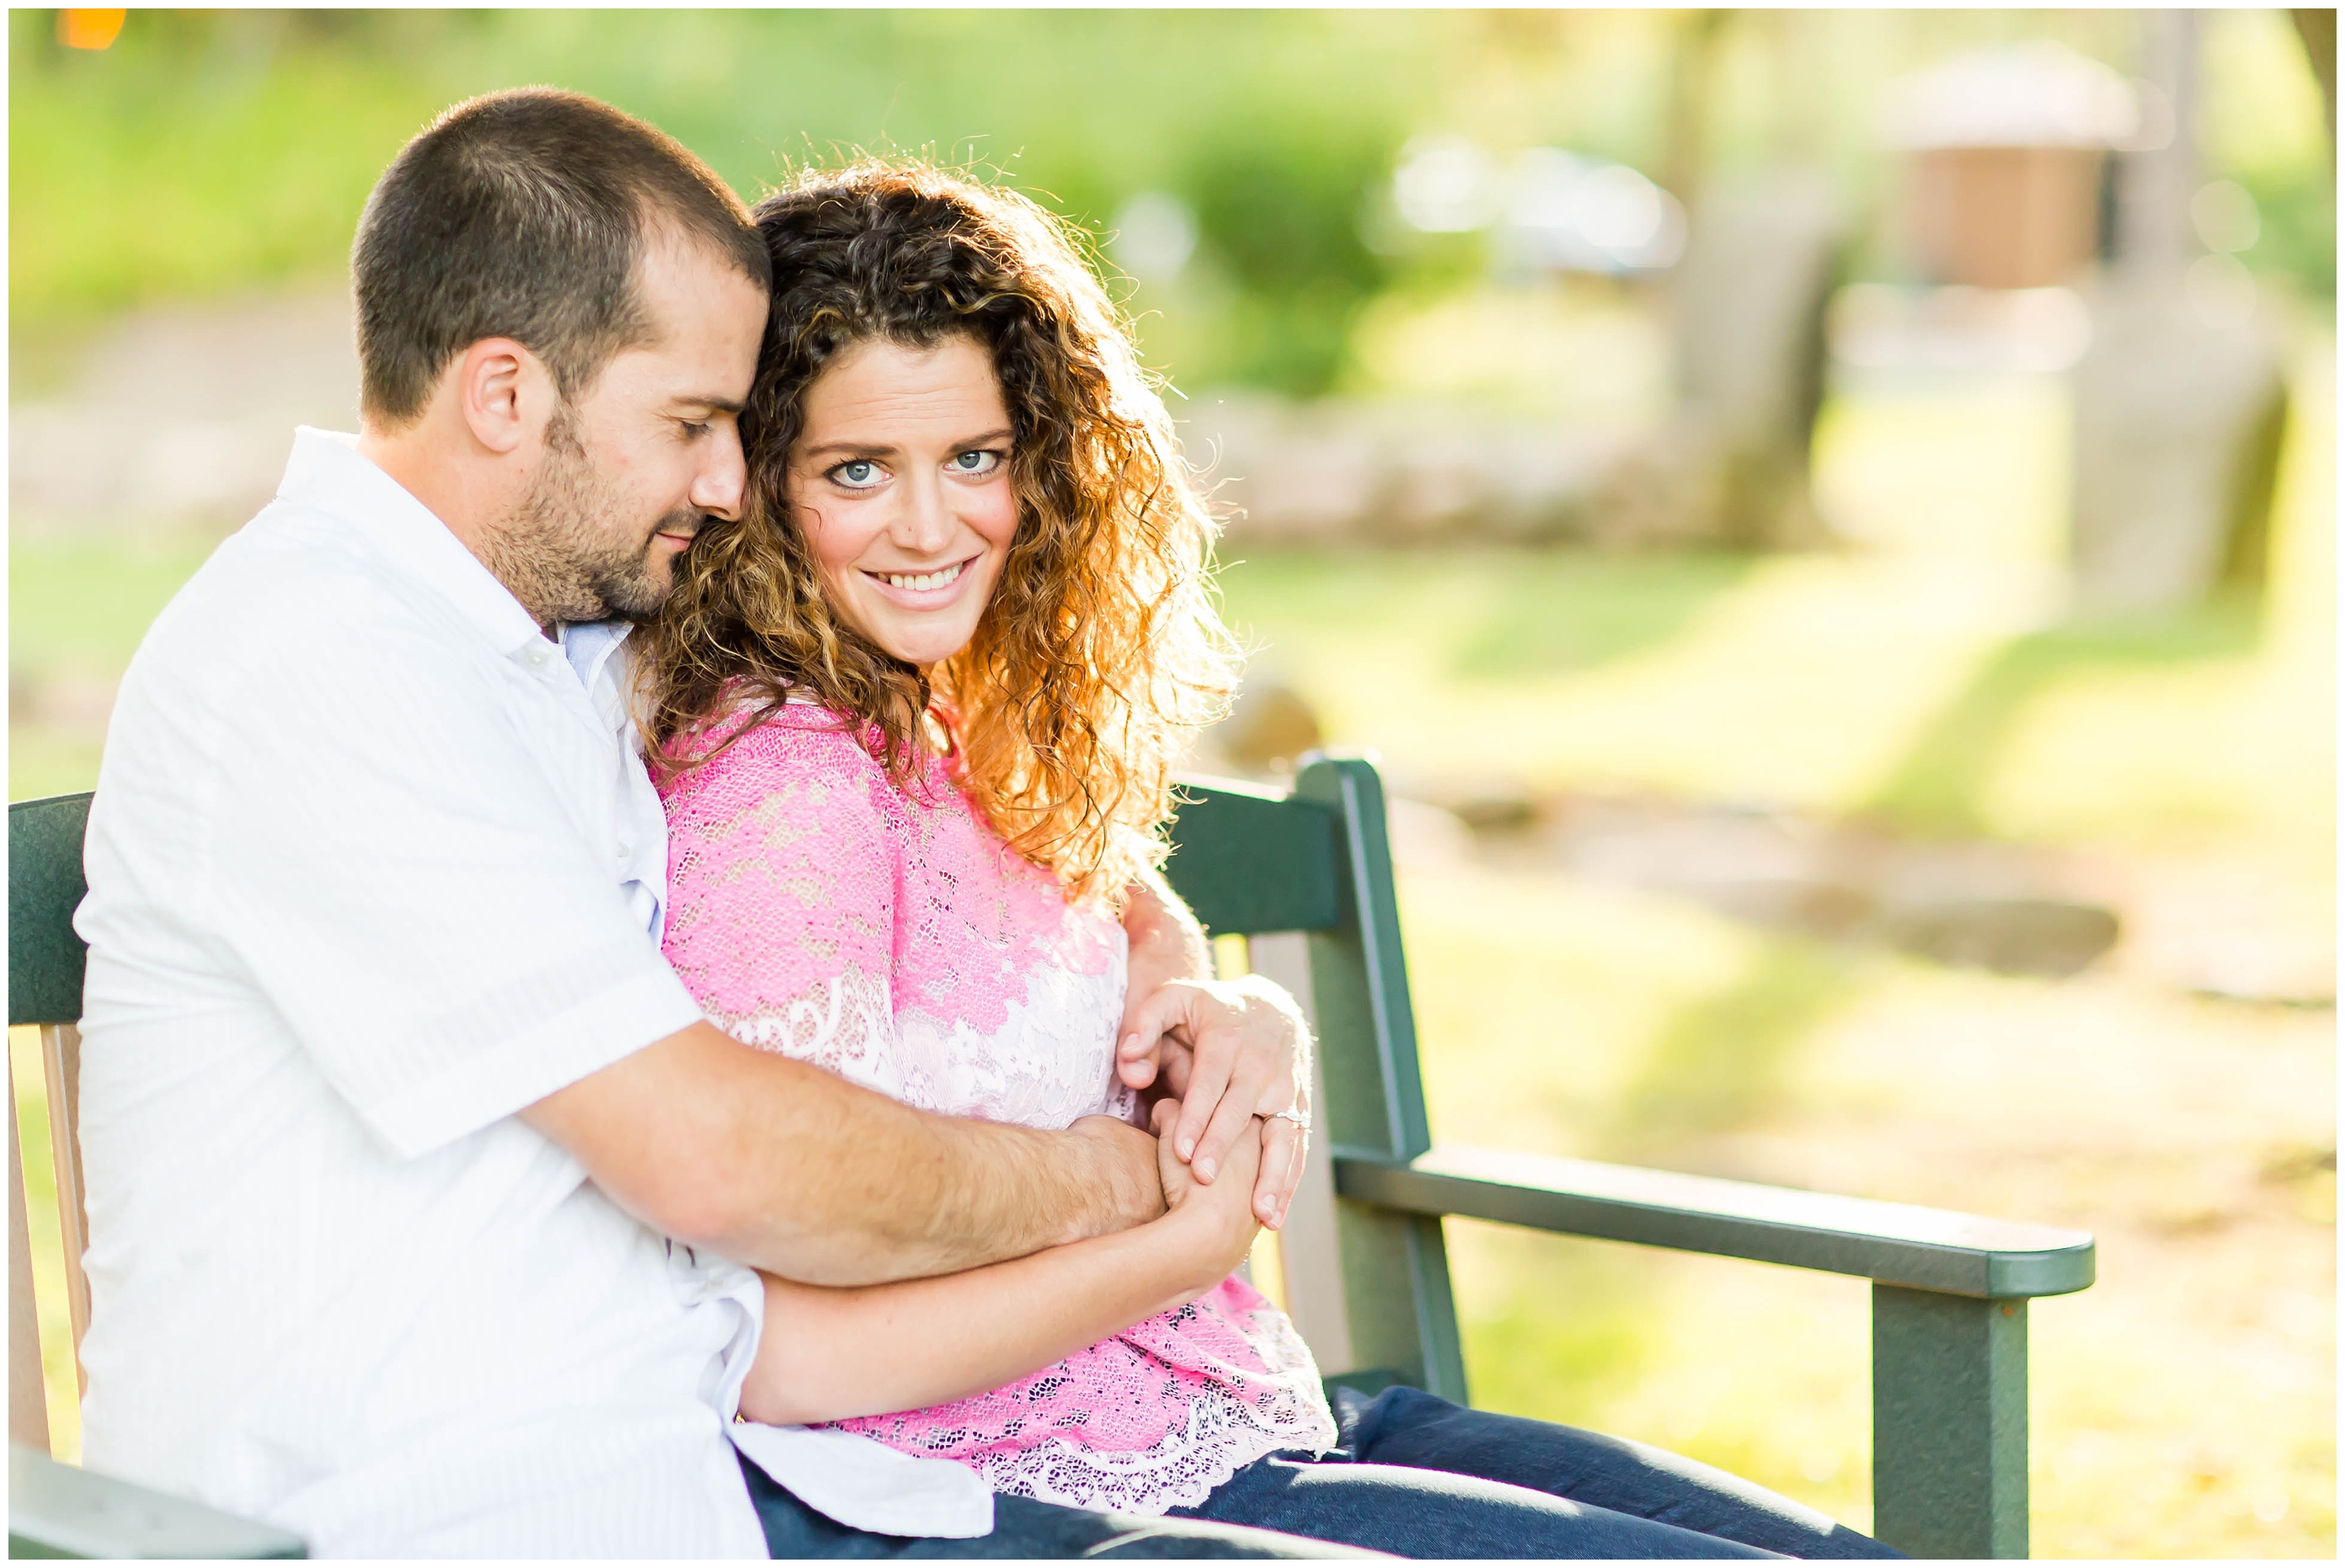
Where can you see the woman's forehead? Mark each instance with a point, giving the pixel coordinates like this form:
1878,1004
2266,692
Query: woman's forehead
880,381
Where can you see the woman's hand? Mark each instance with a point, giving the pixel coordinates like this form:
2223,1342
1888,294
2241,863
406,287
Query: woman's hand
1230,1050
829,1354
1217,1219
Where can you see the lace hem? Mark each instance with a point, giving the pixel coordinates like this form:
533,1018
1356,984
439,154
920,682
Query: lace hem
1220,1437
1151,1419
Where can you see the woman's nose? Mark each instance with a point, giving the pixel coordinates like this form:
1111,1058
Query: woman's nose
925,524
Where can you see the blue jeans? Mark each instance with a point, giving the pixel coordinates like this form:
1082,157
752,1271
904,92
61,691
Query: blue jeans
1414,1475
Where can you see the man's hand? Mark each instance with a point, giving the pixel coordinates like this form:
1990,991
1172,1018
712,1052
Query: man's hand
1127,1160
1231,1051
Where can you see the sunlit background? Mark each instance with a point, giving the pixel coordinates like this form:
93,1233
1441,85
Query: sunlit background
1827,518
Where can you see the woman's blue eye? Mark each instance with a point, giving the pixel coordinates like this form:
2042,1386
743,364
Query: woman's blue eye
857,473
975,462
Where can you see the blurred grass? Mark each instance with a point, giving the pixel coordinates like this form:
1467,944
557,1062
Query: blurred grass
78,606
1484,616
76,609
2183,1407
1941,785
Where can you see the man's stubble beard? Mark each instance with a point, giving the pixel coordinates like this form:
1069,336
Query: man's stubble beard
566,551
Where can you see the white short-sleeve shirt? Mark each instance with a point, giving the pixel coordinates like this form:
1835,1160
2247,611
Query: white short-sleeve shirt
367,876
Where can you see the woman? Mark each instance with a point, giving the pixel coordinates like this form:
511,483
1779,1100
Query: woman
914,714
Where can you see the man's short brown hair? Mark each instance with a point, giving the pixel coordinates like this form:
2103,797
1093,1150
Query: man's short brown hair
522,215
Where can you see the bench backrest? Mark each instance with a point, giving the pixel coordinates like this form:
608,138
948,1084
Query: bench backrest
1305,875
1369,1288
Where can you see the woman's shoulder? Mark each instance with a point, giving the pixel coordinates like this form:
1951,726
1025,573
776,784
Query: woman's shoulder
798,744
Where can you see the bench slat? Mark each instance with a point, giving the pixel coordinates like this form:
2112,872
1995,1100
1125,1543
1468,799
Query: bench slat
57,1511
1256,861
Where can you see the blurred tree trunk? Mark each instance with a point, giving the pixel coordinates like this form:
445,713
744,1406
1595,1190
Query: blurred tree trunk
2318,31
1692,69
2181,400
2155,184
1762,257
1748,306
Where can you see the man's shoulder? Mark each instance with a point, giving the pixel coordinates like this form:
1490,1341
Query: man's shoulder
297,592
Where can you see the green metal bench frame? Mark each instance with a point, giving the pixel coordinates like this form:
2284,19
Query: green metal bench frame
1950,1292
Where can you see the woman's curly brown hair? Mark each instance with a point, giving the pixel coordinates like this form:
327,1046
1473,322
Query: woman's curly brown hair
1100,652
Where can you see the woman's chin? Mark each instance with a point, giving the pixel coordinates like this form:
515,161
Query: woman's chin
923,645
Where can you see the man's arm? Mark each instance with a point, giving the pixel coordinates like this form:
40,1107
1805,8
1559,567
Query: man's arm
830,1354
777,1164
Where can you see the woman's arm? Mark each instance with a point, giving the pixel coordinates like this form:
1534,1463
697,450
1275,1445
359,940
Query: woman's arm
1227,1052
1165,939
828,1354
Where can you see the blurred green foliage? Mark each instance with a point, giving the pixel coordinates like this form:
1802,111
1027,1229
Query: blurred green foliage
208,152
2259,123
2297,208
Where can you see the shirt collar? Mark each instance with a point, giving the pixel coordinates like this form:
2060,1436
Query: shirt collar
327,473
590,648
589,644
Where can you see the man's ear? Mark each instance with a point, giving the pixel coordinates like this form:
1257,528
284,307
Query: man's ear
504,394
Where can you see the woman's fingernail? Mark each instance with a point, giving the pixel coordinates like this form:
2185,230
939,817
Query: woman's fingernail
1205,1169
1188,1147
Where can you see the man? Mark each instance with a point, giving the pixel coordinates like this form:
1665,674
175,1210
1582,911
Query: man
419,1193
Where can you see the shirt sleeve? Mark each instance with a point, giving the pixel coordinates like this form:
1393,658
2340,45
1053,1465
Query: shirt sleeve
782,886
393,864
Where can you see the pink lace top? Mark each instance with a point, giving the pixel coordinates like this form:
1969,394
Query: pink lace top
892,938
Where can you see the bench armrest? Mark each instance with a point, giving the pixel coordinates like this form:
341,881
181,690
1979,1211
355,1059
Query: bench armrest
60,1510
1890,1243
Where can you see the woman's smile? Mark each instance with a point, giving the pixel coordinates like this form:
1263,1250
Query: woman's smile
921,589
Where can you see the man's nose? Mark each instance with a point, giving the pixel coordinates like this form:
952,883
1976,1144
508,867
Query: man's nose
716,490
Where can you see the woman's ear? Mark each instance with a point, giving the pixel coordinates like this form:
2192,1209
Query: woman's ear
504,394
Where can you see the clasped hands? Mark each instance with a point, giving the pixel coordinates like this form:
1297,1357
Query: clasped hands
1224,1065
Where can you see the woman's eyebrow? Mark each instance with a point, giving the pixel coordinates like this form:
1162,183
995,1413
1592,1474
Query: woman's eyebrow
881,448
870,448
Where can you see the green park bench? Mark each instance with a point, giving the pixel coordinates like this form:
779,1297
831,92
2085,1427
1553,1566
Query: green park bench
1306,877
